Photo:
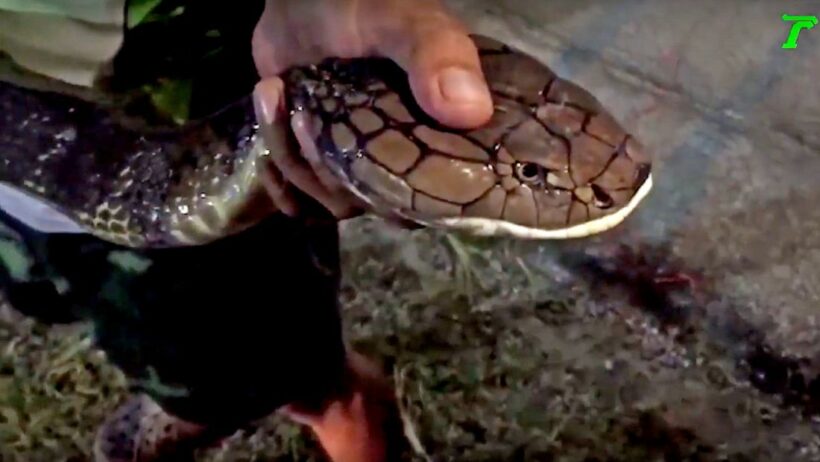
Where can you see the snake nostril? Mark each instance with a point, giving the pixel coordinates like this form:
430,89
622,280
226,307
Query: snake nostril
602,199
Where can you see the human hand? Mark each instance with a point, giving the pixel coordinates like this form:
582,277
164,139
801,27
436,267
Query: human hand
421,36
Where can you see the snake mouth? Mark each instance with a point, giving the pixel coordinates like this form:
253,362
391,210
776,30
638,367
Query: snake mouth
491,227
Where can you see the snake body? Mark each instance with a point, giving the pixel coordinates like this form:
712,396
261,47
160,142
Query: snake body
551,164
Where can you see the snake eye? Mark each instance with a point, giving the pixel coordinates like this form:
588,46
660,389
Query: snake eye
530,173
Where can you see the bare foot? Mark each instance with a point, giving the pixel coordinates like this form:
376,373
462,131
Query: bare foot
362,425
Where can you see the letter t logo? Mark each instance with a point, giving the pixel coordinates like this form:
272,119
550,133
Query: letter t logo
798,23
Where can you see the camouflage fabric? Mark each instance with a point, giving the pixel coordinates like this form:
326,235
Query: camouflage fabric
219,334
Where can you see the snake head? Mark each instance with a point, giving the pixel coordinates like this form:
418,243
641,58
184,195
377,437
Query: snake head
551,163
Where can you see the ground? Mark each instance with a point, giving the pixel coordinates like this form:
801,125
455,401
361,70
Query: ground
688,333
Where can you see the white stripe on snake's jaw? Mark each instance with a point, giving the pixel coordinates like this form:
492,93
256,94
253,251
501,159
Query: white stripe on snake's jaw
489,227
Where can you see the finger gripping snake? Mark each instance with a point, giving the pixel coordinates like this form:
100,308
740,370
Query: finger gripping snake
551,163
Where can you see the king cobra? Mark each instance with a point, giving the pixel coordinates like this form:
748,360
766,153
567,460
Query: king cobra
551,163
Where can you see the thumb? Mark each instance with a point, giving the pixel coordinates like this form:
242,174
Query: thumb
444,69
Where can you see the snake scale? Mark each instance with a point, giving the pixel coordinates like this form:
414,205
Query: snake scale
552,163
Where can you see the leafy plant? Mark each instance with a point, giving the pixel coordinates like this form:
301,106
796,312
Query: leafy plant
147,11
172,97
139,10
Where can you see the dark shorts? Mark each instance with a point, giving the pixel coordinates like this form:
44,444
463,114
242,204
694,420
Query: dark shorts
220,334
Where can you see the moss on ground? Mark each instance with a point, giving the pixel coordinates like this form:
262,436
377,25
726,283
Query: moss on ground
493,361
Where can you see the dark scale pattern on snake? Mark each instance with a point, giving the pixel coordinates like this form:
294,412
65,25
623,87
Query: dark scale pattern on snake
552,162
128,183
550,158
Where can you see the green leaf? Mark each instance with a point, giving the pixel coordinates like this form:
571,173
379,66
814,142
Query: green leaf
138,11
173,98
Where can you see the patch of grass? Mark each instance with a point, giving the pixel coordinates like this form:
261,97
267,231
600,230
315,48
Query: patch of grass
54,388
516,371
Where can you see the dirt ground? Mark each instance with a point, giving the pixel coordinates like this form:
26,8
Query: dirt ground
688,333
